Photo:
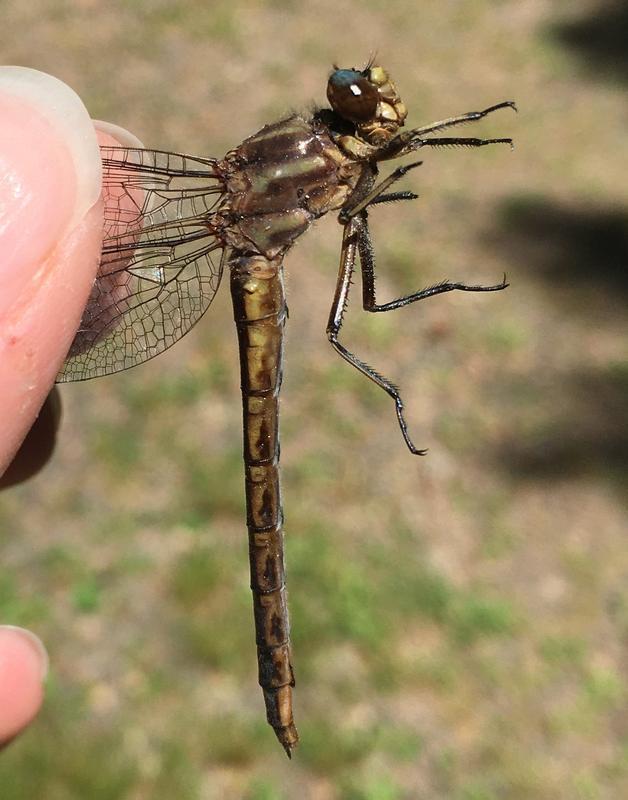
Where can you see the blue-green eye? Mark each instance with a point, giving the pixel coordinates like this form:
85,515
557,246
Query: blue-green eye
352,95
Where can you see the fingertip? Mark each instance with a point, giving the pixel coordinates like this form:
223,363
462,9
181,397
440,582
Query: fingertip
48,100
51,223
50,177
36,334
23,668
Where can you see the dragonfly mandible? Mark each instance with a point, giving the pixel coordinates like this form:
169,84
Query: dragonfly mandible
174,222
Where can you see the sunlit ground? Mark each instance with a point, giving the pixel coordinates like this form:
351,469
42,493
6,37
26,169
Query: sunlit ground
459,621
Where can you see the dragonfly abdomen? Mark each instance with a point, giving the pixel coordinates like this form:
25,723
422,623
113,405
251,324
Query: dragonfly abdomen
259,307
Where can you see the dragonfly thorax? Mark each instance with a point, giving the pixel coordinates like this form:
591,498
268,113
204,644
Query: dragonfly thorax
368,99
280,180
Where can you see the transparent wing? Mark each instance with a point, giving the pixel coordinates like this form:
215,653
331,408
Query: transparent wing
161,263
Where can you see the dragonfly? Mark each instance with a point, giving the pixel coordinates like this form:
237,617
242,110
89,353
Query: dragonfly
174,223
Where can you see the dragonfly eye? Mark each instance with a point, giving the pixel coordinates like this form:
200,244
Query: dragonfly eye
352,95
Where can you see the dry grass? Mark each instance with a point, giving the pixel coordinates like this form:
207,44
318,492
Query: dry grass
460,621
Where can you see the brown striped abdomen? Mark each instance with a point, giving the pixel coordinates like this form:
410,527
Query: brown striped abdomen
259,308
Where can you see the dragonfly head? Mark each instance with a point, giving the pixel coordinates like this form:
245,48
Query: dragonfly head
368,99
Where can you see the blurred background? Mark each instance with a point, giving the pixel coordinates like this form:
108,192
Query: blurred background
460,621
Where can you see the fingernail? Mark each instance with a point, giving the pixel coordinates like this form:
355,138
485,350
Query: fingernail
50,176
65,112
119,135
34,642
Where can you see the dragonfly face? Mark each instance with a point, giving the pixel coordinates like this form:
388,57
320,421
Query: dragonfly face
369,100
172,224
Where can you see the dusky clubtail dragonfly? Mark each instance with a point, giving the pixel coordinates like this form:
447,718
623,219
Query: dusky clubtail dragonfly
172,223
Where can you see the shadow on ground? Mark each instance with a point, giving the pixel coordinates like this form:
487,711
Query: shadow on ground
580,254
585,431
569,246
599,39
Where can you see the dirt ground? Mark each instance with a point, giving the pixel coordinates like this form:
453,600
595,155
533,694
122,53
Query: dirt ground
460,621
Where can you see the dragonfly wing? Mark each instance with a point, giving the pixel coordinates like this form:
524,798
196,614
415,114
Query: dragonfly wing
161,262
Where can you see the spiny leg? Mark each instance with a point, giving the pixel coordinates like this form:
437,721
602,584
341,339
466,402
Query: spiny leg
368,193
411,140
357,211
356,238
348,252
367,263
393,197
450,141
461,119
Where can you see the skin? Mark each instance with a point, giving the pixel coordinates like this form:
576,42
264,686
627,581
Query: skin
51,223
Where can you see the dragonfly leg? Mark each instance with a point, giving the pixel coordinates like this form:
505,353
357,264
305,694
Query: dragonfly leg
470,116
367,263
413,139
393,197
451,141
367,194
350,240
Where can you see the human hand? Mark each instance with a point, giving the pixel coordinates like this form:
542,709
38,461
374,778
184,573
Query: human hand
23,669
50,239
51,221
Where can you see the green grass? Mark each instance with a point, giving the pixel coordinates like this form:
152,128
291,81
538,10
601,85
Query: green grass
336,748
563,651
87,595
215,621
213,486
36,770
459,620
262,790
359,598
236,741
477,792
18,605
118,447
605,689
472,617
506,338
383,788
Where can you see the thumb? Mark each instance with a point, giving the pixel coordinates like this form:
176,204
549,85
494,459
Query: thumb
50,238
23,668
